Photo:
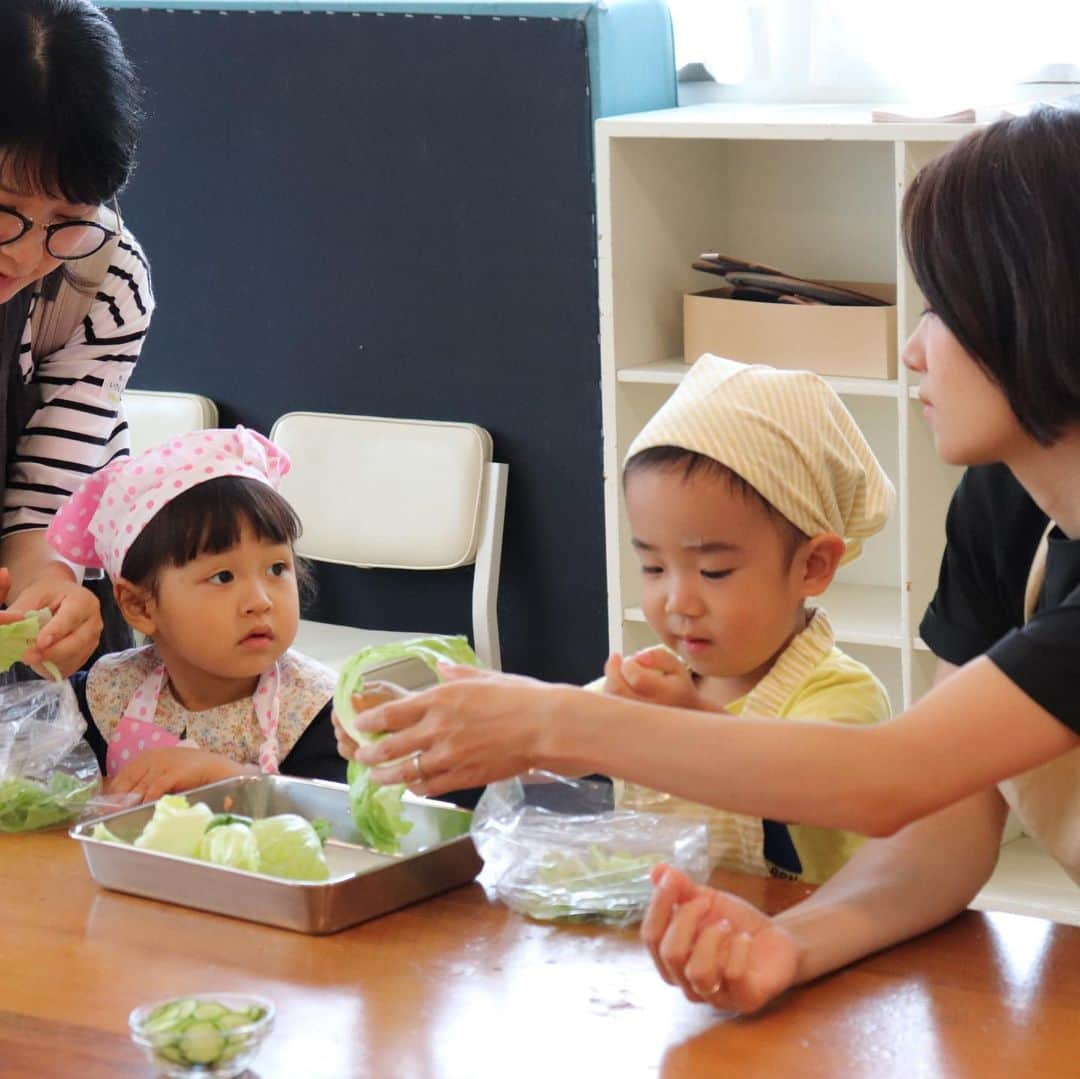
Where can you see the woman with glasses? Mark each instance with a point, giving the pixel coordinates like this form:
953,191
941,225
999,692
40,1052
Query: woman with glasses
69,113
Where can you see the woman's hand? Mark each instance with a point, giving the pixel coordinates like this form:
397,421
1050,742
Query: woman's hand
654,675
716,947
73,632
371,696
475,728
346,747
155,772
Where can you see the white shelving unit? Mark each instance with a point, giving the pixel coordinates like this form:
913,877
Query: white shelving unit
816,190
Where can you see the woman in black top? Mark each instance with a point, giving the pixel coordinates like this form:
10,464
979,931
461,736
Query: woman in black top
69,112
992,233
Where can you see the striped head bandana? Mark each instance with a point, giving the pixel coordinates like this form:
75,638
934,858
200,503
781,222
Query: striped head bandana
788,435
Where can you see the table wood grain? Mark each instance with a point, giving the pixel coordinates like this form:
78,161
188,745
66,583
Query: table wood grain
458,987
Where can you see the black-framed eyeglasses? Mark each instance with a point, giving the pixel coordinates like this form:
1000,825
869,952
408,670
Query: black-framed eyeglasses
66,240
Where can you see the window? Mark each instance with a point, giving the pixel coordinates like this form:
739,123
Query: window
959,52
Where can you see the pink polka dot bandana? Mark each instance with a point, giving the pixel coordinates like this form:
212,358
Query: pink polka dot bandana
103,518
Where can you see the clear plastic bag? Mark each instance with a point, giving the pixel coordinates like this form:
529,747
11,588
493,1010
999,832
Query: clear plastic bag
48,774
556,849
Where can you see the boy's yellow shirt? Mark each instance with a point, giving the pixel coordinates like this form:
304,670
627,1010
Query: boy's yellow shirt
817,682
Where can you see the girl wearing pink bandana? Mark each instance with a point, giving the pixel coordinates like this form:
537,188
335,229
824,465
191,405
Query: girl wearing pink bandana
198,544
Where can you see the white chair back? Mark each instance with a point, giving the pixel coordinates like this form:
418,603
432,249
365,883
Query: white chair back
155,416
376,492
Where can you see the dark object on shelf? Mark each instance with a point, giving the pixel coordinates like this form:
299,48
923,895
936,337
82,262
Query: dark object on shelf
755,281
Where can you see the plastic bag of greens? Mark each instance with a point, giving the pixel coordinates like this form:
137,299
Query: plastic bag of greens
377,811
556,849
48,774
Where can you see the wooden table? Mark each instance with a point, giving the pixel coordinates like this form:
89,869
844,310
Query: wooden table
460,988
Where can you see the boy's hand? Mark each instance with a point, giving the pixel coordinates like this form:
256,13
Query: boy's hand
155,772
716,947
653,675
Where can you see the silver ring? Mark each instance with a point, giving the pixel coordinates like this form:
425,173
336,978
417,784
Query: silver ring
417,767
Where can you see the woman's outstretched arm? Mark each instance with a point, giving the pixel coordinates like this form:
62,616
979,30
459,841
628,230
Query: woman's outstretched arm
971,731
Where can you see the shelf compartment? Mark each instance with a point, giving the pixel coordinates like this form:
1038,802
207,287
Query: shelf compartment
672,372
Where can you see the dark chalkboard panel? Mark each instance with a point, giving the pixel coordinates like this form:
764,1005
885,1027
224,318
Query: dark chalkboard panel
393,216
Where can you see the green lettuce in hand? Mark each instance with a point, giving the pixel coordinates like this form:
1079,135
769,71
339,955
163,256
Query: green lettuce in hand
429,650
377,810
17,637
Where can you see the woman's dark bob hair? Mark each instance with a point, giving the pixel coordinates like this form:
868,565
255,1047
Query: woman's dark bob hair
992,233
70,104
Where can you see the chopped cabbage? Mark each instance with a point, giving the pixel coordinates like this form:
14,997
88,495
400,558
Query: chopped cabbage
102,832
28,804
597,885
377,810
232,845
176,827
289,847
283,846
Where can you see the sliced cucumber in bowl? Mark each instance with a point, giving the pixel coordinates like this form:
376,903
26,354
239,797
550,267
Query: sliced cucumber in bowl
206,1035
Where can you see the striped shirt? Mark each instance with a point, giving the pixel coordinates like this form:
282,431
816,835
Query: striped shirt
79,425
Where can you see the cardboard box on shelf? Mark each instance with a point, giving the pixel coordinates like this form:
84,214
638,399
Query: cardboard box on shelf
849,342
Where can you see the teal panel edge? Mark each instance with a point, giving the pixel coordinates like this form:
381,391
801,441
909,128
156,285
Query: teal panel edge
630,42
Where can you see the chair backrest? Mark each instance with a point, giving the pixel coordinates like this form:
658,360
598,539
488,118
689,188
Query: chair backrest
400,494
154,416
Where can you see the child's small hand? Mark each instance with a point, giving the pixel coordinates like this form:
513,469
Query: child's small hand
155,772
653,675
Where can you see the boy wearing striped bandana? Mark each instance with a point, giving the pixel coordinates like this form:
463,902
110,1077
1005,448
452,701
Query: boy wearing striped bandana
746,492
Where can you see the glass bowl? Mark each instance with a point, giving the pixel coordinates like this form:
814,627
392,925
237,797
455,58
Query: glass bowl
205,1034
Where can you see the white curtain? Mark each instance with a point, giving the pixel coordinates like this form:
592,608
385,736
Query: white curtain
975,50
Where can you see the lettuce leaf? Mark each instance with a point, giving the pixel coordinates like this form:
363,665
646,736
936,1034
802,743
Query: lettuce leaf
282,846
28,804
176,827
102,832
17,637
289,847
430,650
613,887
232,844
376,810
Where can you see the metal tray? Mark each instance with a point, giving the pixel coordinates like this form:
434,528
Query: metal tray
436,855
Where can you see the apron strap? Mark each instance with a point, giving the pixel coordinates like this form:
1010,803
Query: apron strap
265,702
1036,574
